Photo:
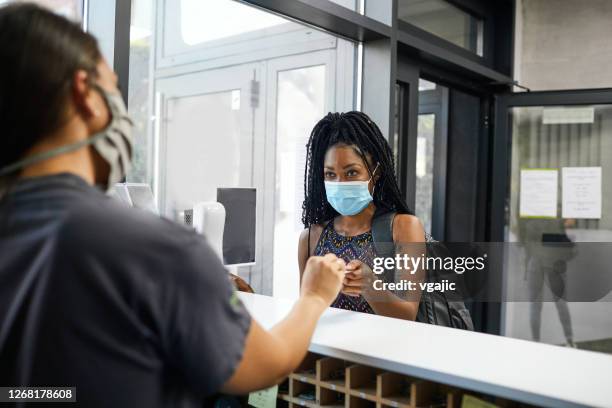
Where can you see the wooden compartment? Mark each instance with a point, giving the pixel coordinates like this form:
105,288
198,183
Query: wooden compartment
422,393
283,404
330,398
394,390
361,382
307,371
329,382
398,390
331,373
356,402
303,393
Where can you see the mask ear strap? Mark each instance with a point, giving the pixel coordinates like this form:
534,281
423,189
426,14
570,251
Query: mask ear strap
374,172
60,150
46,155
371,177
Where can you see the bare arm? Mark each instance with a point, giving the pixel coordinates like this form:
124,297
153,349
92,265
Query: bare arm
269,356
407,229
303,254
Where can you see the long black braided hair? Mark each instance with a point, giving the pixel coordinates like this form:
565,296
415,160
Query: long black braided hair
357,130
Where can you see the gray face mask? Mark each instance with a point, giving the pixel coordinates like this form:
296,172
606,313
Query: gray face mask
114,144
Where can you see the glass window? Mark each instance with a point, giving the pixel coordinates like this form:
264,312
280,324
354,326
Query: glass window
101,23
546,142
425,169
229,19
224,29
232,105
380,10
72,9
431,161
196,162
563,44
140,103
300,105
425,85
349,4
398,95
445,21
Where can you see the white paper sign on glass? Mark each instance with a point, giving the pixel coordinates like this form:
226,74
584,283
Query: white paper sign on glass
581,192
538,193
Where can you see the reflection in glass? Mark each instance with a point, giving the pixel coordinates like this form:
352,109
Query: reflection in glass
555,139
140,88
425,85
430,169
194,170
445,21
203,21
300,105
425,169
398,95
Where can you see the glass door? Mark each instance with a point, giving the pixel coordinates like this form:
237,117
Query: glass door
558,160
211,136
431,157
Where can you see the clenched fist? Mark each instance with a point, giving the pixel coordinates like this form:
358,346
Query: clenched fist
323,277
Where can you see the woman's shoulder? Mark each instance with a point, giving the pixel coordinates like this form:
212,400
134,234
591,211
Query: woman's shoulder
313,233
406,220
308,240
313,230
408,227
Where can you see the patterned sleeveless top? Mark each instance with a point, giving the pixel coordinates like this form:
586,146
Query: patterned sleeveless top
348,248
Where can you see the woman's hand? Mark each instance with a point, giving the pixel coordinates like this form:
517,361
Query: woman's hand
358,278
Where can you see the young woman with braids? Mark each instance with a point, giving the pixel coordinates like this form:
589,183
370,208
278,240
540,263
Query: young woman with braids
350,179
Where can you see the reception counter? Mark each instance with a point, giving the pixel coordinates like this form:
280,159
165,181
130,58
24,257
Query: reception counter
517,370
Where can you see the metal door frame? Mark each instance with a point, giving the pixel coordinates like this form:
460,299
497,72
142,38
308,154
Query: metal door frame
436,102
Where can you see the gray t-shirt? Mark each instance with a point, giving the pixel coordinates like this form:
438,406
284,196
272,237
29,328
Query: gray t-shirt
131,309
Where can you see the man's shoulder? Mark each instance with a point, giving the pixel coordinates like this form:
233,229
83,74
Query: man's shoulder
108,223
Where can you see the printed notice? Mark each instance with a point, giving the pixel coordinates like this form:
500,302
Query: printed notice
469,401
264,398
538,197
581,192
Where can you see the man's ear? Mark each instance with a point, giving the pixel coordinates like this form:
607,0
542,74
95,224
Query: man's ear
83,98
88,103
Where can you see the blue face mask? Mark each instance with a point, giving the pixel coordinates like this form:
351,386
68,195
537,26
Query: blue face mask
348,197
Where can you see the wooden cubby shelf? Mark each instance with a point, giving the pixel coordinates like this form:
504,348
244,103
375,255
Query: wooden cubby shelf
333,383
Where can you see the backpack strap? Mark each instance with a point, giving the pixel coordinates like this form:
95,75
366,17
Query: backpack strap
382,234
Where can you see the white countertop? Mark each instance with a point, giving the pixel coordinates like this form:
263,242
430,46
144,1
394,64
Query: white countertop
520,370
